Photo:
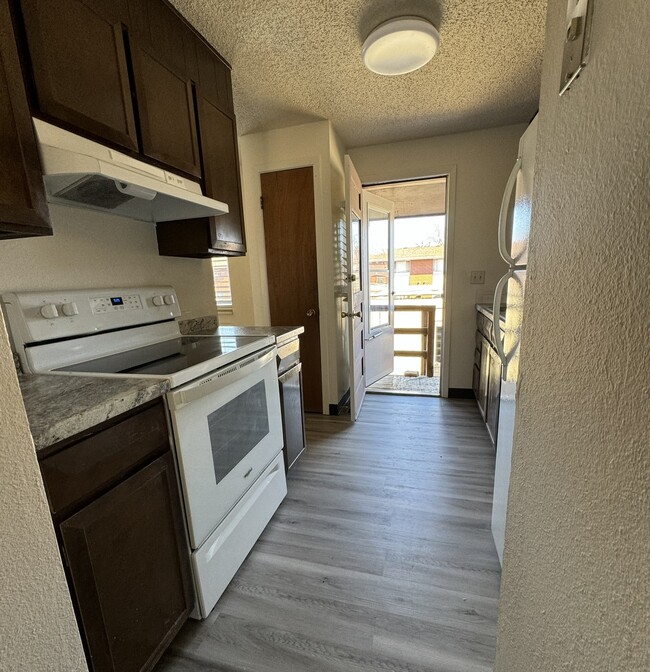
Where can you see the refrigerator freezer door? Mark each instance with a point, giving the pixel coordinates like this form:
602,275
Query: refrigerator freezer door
507,406
523,197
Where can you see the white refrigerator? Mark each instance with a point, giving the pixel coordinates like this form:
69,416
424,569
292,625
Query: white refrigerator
514,228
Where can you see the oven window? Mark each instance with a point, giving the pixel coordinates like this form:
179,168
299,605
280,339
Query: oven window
237,427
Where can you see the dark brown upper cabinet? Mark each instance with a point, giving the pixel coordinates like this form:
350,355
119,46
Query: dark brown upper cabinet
214,78
23,210
79,66
166,111
164,67
221,175
214,236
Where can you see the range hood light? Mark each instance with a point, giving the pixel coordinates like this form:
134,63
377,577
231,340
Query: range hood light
136,191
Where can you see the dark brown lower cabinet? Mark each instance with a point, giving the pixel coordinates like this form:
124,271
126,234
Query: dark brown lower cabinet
484,377
126,553
493,395
486,380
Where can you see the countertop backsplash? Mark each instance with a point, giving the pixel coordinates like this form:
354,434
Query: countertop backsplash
198,324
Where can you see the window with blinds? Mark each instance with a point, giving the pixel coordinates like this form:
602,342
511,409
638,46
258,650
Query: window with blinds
222,289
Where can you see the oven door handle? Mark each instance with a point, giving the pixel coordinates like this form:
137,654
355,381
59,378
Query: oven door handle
222,378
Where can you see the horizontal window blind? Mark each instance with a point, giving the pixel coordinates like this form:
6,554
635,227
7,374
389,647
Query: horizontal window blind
222,288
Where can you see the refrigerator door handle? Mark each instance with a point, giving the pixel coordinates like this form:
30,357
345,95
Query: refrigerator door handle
496,311
503,215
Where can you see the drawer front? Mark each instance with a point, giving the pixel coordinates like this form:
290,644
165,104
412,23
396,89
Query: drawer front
88,467
219,558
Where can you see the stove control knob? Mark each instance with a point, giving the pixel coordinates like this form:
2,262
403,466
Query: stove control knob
70,309
170,299
49,311
158,301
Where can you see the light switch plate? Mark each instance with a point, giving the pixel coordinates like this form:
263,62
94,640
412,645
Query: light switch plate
477,277
576,45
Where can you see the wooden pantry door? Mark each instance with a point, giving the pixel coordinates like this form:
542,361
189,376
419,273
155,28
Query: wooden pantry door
290,238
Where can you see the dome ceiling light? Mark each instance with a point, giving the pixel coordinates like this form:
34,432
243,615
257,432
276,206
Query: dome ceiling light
400,45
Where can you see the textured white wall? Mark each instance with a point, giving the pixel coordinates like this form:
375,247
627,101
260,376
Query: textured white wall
39,630
92,249
482,161
576,578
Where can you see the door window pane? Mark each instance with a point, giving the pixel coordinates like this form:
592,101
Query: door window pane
237,427
379,276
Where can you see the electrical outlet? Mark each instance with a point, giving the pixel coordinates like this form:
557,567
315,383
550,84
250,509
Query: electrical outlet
477,278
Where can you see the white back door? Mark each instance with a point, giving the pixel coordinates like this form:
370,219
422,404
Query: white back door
356,302
377,225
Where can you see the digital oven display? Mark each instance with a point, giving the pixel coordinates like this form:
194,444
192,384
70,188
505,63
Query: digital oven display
117,301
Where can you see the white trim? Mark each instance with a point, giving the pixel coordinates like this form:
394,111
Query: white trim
448,282
450,173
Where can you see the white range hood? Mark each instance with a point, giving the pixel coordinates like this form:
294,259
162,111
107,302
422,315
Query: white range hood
83,173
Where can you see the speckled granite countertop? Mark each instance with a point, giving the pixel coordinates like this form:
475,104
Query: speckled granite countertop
60,406
282,334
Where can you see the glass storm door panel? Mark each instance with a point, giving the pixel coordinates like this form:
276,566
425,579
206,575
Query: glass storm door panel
377,229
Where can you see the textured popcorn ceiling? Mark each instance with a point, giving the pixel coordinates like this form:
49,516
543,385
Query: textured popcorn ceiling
296,61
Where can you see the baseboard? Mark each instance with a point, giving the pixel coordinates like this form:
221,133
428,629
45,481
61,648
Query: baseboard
343,407
460,393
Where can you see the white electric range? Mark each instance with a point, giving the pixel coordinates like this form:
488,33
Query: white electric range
224,406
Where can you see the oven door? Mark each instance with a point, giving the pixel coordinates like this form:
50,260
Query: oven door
228,428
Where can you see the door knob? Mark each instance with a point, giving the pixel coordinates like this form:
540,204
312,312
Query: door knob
311,312
351,314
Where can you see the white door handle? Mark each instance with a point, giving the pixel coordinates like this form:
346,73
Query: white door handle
496,311
503,214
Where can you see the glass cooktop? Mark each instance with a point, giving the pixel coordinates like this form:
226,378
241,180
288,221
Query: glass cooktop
170,357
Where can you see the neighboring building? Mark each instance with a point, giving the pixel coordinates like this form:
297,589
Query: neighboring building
421,267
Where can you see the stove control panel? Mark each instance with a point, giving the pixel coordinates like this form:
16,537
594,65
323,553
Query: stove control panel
41,316
105,304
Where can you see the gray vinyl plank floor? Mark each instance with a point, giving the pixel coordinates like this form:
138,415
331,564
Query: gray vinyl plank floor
379,559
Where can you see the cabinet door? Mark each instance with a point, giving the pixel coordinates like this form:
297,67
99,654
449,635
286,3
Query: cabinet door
214,236
221,174
293,418
493,395
483,377
214,78
79,67
166,112
23,210
129,565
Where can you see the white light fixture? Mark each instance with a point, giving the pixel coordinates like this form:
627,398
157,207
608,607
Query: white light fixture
400,45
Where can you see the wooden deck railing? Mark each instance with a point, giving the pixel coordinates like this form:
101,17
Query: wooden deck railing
427,331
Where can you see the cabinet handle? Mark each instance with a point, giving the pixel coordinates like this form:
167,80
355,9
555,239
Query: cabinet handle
503,215
311,312
358,314
496,311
